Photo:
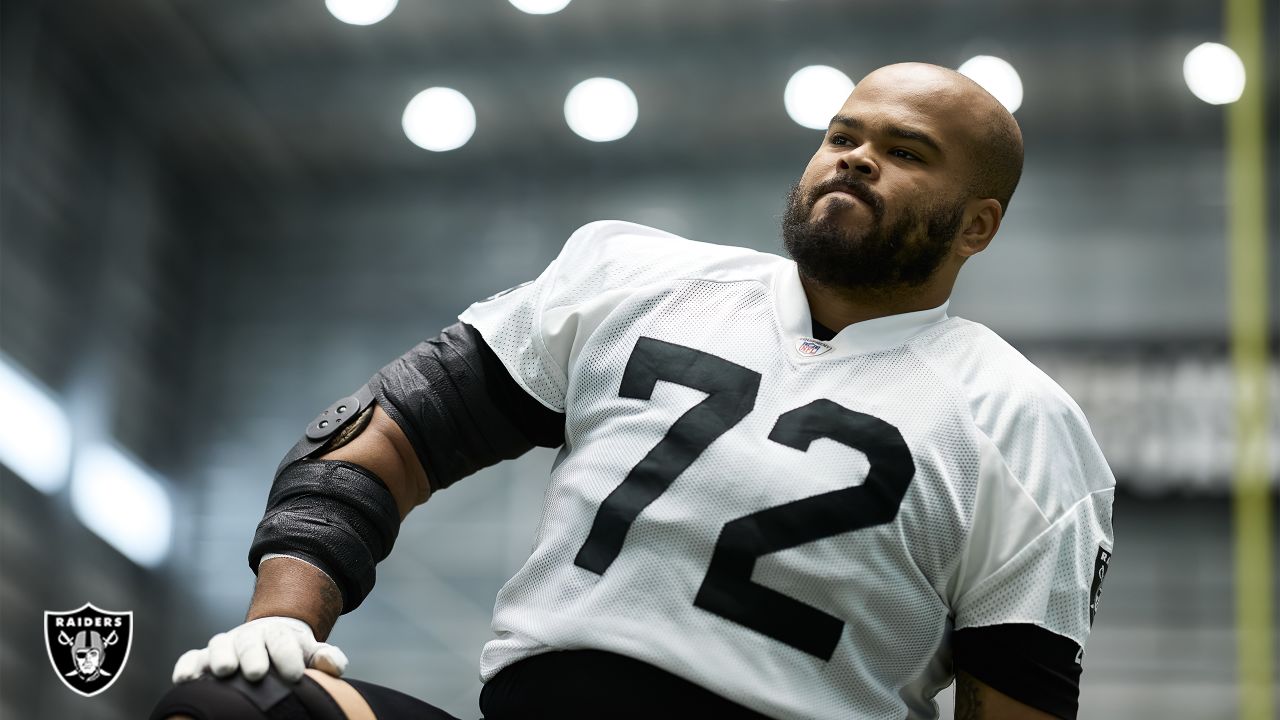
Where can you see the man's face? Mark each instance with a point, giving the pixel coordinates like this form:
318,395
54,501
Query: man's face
885,194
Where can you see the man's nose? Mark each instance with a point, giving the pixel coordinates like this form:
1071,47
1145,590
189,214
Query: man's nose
860,161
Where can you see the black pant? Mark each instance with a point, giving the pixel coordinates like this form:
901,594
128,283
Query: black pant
592,684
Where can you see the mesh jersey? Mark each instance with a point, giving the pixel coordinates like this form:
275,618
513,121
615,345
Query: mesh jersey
795,524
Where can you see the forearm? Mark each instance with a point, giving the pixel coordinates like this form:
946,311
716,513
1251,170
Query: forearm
975,700
289,587
340,505
294,588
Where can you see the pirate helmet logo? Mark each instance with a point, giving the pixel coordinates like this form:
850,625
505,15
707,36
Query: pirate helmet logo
88,647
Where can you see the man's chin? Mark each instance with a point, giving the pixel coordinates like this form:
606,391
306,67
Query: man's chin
839,208
845,225
840,197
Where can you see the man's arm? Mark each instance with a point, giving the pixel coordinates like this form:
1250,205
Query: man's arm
383,449
976,700
443,410
290,587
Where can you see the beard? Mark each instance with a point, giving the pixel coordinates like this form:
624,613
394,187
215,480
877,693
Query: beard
879,257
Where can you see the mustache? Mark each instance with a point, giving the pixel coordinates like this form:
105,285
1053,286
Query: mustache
854,187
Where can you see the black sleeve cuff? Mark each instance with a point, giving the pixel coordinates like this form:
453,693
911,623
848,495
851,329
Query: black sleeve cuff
1028,663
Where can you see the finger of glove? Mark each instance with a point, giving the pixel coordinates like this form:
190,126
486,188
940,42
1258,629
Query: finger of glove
285,648
190,665
251,649
329,659
223,660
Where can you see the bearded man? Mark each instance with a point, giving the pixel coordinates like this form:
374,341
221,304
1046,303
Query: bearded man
785,489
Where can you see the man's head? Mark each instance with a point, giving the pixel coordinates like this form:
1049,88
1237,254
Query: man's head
913,177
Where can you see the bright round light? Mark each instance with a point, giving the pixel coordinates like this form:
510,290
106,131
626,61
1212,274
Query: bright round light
540,7
360,12
601,109
814,94
439,119
997,77
1214,73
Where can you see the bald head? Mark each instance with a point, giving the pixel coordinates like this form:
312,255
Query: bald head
992,138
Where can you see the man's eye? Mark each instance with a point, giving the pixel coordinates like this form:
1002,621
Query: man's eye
839,140
905,154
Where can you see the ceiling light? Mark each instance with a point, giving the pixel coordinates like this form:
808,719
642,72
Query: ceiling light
540,7
601,109
35,434
439,119
814,94
360,12
1214,73
997,77
123,503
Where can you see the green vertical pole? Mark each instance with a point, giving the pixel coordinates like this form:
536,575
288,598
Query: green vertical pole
1247,237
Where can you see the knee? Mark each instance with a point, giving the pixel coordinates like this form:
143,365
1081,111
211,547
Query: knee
235,698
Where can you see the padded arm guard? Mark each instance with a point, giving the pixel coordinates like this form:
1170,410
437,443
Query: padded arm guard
335,515
460,408
461,411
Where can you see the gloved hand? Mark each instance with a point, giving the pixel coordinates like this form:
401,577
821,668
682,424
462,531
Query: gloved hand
252,648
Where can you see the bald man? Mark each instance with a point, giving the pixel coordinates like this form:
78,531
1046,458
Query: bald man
786,489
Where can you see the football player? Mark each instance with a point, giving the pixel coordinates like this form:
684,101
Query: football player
785,489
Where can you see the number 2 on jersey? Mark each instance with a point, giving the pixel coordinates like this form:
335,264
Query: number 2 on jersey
727,590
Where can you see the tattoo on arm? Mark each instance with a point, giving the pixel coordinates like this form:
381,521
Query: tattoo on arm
968,702
295,588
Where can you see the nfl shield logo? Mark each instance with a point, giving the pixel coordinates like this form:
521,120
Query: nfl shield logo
811,347
88,647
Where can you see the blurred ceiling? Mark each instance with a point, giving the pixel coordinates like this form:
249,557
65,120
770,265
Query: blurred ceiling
281,92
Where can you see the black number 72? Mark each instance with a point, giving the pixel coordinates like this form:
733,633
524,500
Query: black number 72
727,589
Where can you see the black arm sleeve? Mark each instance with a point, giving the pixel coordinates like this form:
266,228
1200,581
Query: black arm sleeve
335,515
1028,663
460,408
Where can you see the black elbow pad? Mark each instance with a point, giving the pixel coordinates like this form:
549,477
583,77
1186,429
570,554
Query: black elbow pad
335,515
460,408
461,411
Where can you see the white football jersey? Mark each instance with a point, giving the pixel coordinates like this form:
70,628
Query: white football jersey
797,525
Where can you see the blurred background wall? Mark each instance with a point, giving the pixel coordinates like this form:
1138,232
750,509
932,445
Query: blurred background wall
212,223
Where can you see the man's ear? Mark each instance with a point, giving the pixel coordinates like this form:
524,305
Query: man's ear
981,221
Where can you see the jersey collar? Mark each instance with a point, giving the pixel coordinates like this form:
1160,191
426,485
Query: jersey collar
863,337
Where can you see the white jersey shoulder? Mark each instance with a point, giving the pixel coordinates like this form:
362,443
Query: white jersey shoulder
617,254
1042,509
601,265
1039,430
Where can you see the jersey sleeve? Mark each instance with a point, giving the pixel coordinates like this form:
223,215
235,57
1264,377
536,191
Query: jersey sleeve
537,329
1030,577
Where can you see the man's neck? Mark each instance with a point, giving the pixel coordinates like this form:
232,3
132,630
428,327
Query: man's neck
837,308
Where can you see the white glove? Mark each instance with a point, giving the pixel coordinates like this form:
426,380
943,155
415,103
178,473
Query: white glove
252,648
